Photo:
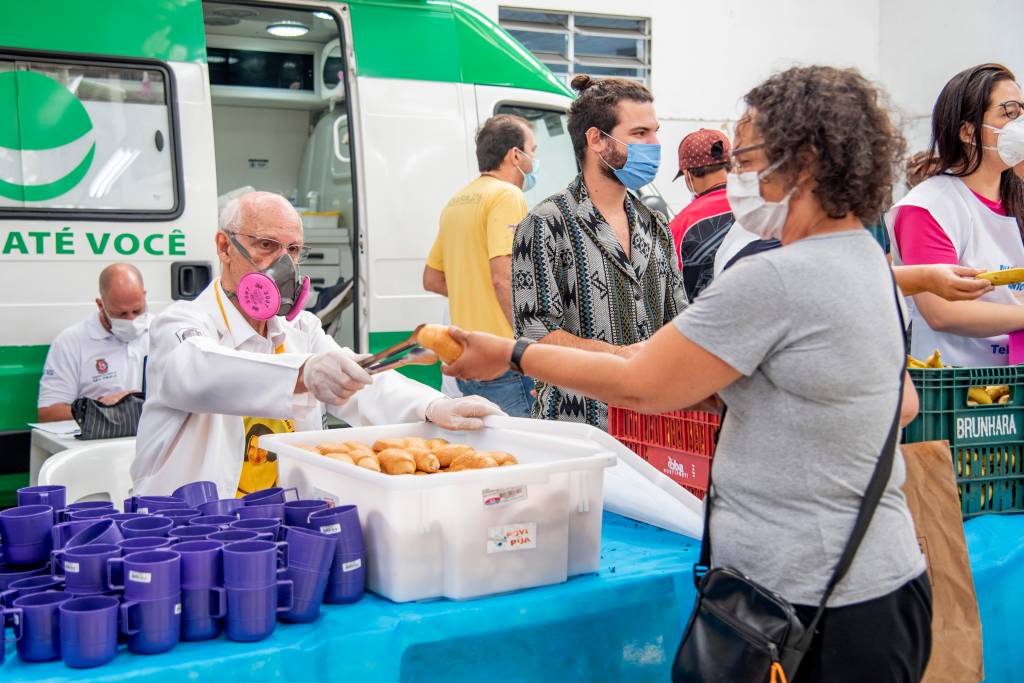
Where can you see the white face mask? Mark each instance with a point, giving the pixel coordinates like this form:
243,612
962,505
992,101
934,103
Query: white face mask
763,218
1011,141
129,330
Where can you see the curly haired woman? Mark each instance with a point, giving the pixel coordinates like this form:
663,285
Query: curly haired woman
804,345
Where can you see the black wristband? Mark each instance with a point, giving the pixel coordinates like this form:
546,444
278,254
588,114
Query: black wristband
517,353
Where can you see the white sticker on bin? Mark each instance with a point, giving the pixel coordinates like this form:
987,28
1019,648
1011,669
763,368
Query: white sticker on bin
493,497
177,608
325,496
512,537
140,577
144,511
352,566
71,567
331,529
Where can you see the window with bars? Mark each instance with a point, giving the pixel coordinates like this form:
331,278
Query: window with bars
571,43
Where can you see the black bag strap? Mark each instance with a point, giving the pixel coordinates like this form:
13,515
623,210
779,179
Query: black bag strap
873,494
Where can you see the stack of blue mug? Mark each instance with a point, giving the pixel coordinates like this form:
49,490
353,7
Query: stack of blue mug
78,577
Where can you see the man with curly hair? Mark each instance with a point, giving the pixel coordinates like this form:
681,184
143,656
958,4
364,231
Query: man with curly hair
592,267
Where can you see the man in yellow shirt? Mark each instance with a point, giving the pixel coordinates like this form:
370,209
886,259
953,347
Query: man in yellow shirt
471,260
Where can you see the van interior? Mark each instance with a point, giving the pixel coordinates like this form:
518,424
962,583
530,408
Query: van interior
280,124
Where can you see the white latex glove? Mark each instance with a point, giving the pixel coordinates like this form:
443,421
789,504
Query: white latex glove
333,377
461,413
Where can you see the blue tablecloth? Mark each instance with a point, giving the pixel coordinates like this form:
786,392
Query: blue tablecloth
622,624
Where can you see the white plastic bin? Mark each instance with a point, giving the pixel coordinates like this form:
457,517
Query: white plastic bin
465,534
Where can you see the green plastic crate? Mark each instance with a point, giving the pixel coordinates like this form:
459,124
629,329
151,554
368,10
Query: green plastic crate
987,441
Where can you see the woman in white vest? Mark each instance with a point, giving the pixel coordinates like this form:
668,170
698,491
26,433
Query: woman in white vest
969,213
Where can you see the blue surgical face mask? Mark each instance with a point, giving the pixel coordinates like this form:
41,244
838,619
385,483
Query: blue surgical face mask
642,161
529,179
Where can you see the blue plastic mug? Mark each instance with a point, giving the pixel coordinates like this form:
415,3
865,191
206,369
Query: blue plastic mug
310,555
26,532
84,569
180,516
191,532
37,625
99,531
147,526
252,612
223,506
274,494
122,517
9,574
203,600
343,522
261,525
297,512
196,493
63,532
152,626
152,504
91,513
148,575
29,586
262,511
85,505
347,582
220,521
140,543
88,631
53,495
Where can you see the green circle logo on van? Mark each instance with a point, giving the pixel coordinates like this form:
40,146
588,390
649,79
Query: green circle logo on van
47,142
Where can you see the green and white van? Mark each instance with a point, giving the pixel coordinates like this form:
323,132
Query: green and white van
122,122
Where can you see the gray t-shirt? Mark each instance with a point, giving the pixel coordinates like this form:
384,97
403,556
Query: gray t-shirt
813,328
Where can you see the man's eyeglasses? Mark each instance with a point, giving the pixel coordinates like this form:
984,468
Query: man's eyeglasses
1011,108
265,247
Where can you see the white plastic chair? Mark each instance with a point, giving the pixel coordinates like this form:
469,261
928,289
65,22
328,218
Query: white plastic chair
94,472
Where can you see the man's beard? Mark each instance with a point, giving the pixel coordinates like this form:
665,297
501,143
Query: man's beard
616,159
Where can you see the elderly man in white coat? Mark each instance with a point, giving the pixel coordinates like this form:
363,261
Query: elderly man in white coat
243,360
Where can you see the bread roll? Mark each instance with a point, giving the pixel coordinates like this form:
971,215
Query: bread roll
503,459
437,339
343,457
445,454
425,460
332,447
414,441
368,462
436,443
311,449
396,461
384,444
472,461
357,446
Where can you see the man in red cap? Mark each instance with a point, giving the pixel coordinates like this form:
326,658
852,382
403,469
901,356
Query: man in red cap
702,225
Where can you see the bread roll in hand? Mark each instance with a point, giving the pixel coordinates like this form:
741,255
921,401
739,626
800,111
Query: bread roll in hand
437,339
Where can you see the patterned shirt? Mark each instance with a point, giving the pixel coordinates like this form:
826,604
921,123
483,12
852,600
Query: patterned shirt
570,273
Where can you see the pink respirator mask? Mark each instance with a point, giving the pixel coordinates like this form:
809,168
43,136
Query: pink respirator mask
275,290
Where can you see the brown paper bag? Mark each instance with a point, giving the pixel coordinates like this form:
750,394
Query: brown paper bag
956,627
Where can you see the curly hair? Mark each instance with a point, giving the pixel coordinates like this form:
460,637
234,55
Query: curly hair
596,106
835,123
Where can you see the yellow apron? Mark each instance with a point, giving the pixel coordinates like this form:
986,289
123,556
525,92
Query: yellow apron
259,466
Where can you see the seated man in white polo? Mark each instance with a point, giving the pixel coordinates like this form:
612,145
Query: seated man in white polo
102,356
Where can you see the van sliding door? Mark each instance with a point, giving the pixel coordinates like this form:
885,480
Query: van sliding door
282,121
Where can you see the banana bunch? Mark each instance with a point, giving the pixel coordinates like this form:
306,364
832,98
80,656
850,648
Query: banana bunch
984,396
933,361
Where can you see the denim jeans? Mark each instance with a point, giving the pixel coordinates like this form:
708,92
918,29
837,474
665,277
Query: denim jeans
511,392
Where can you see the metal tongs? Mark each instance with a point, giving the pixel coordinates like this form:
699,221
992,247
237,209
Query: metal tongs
396,357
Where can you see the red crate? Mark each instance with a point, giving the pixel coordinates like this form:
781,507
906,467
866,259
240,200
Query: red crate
680,444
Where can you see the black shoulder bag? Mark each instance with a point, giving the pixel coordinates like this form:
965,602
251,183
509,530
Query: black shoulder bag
741,632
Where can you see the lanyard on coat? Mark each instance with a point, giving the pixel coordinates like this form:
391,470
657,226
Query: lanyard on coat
224,315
